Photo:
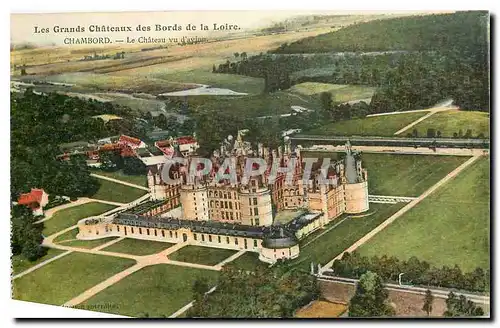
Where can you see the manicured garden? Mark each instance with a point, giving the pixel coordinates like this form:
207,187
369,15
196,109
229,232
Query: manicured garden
138,246
383,126
70,216
451,226
116,192
201,255
61,280
154,291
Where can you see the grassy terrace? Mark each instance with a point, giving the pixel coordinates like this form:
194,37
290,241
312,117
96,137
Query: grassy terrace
201,255
400,175
20,264
452,121
249,261
157,290
383,126
115,192
449,227
68,217
326,247
61,280
138,247
139,180
69,239
406,175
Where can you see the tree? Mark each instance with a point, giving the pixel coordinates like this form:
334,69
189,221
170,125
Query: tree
326,101
236,55
431,133
26,236
428,300
370,299
133,166
461,307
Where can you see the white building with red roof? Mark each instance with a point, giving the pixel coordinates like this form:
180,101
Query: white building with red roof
187,145
131,142
36,199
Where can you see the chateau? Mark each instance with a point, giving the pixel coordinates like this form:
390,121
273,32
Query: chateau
267,213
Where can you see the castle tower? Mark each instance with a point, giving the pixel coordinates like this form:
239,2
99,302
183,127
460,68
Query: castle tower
356,187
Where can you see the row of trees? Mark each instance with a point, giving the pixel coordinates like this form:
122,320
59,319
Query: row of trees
416,272
26,236
371,300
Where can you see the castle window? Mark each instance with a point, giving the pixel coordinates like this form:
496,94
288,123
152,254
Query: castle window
132,230
249,201
163,233
202,237
227,240
176,234
245,242
147,231
170,234
236,241
140,231
255,243
118,228
257,222
229,195
156,233
230,205
195,236
255,201
210,238
256,211
218,239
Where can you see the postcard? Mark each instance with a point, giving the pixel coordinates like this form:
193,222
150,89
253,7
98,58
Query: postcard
252,164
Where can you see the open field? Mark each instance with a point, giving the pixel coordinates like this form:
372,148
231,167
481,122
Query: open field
201,255
239,83
20,264
69,239
70,216
452,121
115,192
140,180
340,92
138,246
157,291
449,227
65,278
321,309
406,175
369,126
328,246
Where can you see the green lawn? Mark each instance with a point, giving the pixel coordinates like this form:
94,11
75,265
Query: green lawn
449,227
239,83
328,246
201,255
67,239
140,180
138,246
70,216
249,261
20,264
383,126
400,175
406,175
452,121
61,280
116,192
157,290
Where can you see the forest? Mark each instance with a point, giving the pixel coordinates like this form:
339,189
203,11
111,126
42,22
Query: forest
414,62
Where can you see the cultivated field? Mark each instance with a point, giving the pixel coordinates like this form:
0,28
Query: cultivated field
449,227
340,92
452,121
67,277
369,126
154,291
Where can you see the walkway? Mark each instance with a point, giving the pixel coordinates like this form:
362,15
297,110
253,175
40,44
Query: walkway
118,181
402,211
230,259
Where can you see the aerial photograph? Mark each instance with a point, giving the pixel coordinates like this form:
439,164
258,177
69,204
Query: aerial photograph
262,164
